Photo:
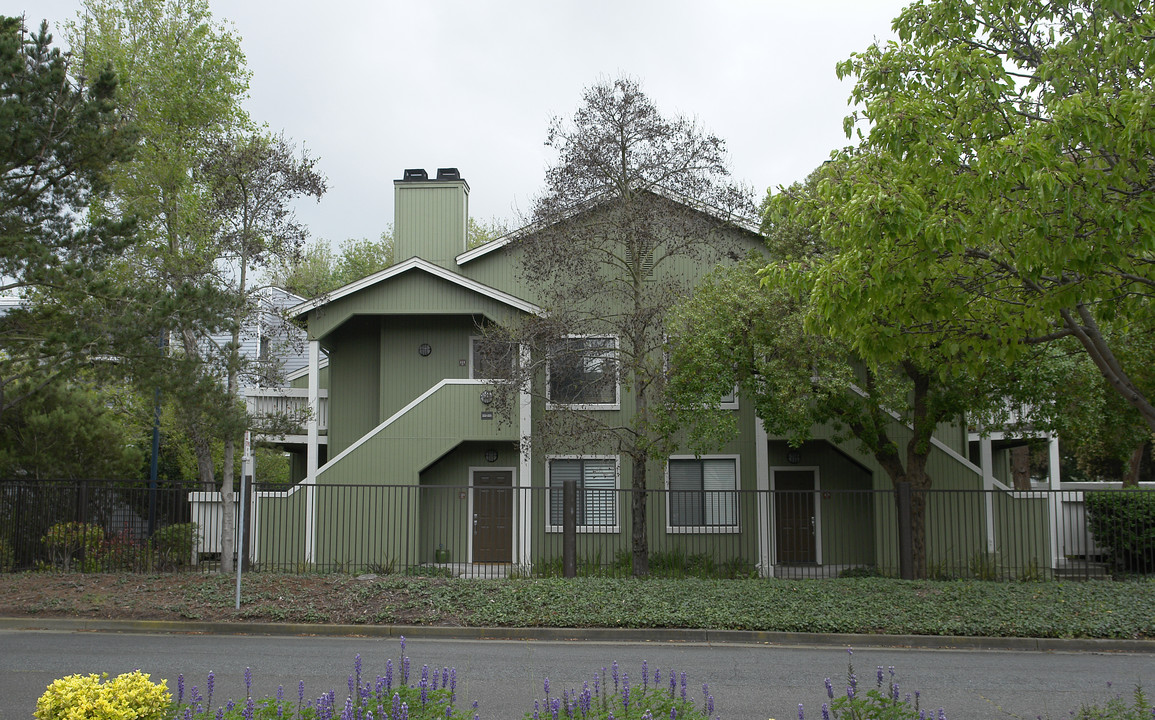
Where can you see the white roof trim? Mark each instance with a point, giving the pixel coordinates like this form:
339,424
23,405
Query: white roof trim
398,415
417,263
748,224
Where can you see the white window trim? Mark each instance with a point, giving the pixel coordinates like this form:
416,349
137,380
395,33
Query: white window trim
707,529
615,405
587,529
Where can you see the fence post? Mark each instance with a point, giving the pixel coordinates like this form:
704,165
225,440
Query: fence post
569,528
905,531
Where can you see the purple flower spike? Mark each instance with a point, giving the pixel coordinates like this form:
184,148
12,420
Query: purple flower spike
614,674
300,693
220,713
673,713
388,675
211,681
829,689
941,714
405,671
800,717
894,692
657,676
683,679
891,669
352,686
825,711
879,676
545,686
709,704
645,676
180,689
248,680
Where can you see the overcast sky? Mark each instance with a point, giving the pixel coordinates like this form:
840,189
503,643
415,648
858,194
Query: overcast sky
376,86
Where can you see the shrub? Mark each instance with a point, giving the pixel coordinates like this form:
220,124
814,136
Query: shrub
1123,523
74,545
7,556
120,552
131,696
173,545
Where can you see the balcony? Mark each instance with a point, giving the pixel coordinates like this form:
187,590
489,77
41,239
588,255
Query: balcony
282,413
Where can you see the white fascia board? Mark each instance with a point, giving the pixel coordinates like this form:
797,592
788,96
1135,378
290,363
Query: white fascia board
417,263
305,370
748,224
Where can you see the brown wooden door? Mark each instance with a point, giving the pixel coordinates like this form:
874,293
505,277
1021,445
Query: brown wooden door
794,520
493,516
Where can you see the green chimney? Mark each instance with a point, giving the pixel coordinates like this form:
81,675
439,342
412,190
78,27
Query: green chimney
430,215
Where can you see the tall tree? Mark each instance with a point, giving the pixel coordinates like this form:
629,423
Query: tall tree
316,269
61,133
635,205
252,181
1002,193
741,329
183,78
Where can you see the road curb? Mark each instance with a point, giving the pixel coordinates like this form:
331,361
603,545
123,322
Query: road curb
631,635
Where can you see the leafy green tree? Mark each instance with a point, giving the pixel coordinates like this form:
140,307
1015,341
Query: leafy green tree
1002,192
479,232
183,79
739,330
317,270
60,135
616,239
252,180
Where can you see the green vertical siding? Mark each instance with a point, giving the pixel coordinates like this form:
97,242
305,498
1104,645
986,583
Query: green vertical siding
430,220
355,377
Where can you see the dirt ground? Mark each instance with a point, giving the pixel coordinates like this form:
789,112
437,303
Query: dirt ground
264,597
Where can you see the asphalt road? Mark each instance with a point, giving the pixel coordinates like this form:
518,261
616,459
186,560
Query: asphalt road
748,681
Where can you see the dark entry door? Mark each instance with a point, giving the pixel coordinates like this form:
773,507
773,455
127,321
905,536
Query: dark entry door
794,519
493,516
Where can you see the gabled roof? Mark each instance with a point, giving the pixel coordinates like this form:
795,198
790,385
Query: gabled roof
416,264
746,224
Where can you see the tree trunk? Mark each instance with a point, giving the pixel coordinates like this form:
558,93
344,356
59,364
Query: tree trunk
1134,466
228,508
640,543
1021,467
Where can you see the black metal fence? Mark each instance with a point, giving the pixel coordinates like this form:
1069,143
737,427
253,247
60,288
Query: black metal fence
497,531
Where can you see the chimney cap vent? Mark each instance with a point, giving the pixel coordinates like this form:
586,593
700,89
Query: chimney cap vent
448,174
413,174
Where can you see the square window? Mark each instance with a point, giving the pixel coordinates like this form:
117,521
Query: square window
597,497
703,493
583,373
491,360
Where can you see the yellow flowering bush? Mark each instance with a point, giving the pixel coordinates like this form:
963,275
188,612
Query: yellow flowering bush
131,696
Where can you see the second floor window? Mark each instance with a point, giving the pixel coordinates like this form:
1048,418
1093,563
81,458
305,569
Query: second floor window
583,372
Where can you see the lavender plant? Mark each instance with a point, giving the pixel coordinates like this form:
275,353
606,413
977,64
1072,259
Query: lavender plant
433,697
1116,708
620,699
885,701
